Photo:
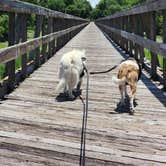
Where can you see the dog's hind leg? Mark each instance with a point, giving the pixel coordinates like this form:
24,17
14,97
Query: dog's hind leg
71,96
125,91
79,84
72,83
122,91
61,86
132,97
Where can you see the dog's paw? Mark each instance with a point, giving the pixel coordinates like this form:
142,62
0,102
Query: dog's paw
71,97
132,110
122,103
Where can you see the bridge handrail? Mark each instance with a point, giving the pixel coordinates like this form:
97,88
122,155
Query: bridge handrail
12,52
155,47
135,29
17,6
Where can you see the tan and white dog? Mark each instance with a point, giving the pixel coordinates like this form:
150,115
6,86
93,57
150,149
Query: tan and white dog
71,71
128,74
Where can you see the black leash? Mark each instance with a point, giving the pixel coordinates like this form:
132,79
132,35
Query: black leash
85,114
84,123
106,71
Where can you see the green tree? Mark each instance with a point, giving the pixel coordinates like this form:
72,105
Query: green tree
73,10
108,7
4,21
57,5
69,2
43,3
96,13
80,8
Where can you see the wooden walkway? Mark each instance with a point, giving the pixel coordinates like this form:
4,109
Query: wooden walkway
37,130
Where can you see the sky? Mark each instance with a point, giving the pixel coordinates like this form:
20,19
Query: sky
94,2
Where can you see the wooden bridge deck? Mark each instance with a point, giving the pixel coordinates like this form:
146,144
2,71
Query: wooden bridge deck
37,130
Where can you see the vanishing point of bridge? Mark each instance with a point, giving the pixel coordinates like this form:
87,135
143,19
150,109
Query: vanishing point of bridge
38,130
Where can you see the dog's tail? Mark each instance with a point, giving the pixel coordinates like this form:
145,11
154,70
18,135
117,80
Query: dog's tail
118,81
61,86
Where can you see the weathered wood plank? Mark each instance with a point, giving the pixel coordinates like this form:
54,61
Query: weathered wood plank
38,28
164,41
13,157
152,20
72,149
10,66
44,32
24,39
50,30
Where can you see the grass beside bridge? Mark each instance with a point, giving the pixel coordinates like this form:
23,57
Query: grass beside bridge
18,60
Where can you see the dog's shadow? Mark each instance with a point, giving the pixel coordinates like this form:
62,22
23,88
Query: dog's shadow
126,107
64,97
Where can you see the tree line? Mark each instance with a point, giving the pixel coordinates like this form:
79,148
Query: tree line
83,9
109,7
80,8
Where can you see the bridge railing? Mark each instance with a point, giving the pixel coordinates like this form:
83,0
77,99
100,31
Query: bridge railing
52,30
135,31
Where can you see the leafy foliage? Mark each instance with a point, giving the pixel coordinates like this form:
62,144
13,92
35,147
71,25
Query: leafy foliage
4,20
57,5
108,7
80,8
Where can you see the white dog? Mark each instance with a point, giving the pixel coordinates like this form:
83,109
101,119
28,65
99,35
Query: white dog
128,74
71,71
